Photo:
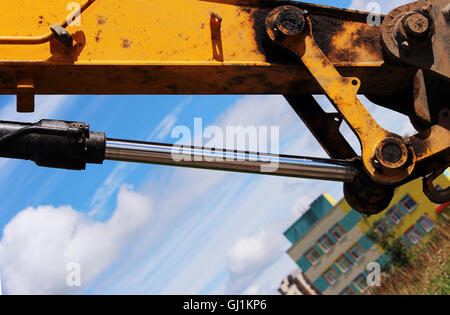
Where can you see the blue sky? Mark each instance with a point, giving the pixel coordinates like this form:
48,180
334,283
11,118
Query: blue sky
154,229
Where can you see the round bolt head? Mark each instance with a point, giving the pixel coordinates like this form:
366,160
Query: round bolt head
290,21
392,153
417,25
284,22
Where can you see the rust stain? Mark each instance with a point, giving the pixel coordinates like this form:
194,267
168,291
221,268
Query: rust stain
339,39
126,43
97,37
101,20
355,42
41,19
272,52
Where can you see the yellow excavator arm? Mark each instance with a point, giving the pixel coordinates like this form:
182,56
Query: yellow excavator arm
399,61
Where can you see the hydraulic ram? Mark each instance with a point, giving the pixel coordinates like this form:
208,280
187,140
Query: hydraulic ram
70,145
236,161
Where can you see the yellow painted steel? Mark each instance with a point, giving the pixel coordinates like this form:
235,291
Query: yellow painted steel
132,31
33,40
163,47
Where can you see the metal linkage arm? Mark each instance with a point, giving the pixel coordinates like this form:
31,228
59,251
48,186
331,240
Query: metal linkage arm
388,159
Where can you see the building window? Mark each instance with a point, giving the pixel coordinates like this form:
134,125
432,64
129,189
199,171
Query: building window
331,275
382,226
395,214
312,255
408,203
426,223
326,243
356,252
337,231
414,235
361,283
344,263
347,291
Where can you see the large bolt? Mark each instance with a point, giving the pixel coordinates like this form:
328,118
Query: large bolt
285,21
290,21
417,25
392,153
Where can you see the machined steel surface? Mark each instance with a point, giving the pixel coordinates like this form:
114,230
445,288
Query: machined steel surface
235,161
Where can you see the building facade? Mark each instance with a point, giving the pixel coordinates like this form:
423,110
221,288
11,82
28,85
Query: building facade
331,242
297,284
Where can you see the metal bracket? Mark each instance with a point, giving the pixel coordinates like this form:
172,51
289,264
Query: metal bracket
62,35
25,95
418,33
385,156
387,159
435,195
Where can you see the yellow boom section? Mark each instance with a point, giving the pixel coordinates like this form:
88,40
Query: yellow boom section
174,47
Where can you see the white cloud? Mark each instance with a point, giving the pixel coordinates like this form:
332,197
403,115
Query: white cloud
38,243
165,126
261,110
251,255
252,290
111,184
257,110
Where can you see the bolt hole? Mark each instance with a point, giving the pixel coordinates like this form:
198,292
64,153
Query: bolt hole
355,82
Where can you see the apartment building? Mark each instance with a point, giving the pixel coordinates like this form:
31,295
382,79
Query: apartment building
331,243
296,284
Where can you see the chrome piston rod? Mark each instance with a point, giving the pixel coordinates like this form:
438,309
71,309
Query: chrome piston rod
234,161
